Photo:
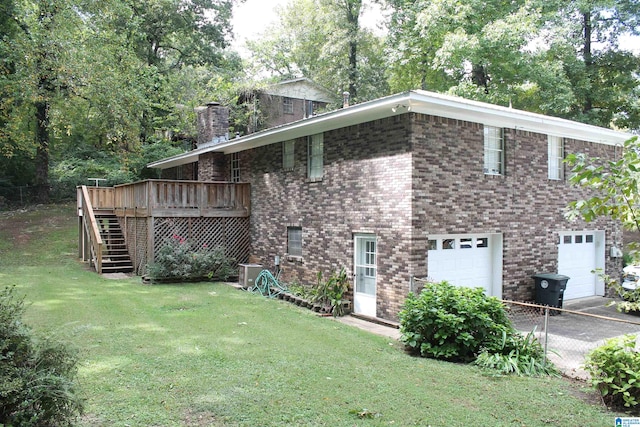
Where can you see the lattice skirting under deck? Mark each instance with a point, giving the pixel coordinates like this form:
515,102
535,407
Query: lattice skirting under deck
230,233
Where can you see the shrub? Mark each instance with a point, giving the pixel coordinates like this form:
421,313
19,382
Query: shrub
615,371
182,259
332,293
518,355
452,323
37,377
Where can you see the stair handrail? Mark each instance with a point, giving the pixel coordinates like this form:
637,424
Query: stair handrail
93,230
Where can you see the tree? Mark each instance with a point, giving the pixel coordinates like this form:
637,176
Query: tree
616,184
324,41
604,77
40,53
106,74
559,58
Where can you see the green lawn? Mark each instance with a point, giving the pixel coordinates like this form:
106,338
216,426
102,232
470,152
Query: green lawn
207,354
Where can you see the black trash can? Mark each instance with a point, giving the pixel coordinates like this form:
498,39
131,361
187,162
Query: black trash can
550,289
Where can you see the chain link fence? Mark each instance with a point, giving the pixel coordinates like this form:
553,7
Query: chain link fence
18,196
567,335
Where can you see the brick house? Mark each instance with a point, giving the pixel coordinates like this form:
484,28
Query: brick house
419,185
285,102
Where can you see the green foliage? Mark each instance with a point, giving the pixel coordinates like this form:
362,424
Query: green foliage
37,377
324,41
181,259
463,324
537,55
207,354
615,183
452,323
332,292
615,371
518,355
630,302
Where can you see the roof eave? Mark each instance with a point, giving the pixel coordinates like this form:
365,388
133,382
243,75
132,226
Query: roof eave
415,101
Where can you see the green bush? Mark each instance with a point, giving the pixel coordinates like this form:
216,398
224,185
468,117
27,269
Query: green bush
452,323
518,355
615,371
181,259
332,293
37,377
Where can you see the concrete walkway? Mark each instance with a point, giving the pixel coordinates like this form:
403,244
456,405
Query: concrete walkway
388,331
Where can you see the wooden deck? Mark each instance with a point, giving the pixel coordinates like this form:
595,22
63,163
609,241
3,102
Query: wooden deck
178,199
215,212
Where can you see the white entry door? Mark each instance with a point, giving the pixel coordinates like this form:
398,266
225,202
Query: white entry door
364,298
579,254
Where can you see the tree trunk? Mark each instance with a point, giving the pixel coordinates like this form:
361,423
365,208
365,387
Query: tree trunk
42,152
479,77
352,9
588,61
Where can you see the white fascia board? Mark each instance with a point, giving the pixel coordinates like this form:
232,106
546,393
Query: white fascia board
415,101
359,113
495,115
337,119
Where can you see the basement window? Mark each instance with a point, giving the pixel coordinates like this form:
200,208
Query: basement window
294,241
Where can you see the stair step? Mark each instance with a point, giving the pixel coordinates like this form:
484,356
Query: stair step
112,262
117,269
115,257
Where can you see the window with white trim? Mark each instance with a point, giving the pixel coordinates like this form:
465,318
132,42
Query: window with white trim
235,167
493,151
315,152
287,105
556,157
288,155
294,241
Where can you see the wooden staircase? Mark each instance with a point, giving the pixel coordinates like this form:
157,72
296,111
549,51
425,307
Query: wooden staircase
115,257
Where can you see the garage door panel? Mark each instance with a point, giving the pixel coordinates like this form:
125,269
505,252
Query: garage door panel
577,258
462,261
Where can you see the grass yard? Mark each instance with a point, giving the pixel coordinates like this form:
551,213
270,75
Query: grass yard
207,354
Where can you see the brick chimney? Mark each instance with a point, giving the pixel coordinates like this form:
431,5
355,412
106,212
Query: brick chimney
213,123
213,128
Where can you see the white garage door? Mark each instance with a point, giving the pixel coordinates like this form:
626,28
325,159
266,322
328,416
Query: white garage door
580,253
463,260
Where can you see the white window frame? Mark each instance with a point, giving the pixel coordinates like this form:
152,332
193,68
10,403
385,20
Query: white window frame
294,241
555,157
315,154
493,150
288,155
287,105
235,167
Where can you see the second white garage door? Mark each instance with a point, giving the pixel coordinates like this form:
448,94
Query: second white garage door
580,253
473,260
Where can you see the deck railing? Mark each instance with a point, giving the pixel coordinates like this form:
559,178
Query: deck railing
162,198
90,245
140,203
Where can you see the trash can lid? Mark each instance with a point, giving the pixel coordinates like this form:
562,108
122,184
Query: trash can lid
550,276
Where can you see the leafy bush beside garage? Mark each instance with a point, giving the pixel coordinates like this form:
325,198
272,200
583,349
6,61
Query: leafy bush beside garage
458,324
